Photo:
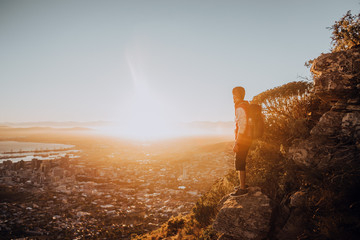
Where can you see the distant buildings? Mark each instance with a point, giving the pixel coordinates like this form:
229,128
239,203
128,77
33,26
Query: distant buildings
64,195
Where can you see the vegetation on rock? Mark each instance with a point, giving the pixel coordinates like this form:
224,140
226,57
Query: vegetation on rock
346,32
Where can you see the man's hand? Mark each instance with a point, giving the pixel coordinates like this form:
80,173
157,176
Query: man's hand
236,148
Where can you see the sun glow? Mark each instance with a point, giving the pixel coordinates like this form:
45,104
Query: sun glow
147,116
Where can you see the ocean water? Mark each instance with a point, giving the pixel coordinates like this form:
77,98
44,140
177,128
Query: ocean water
17,151
14,146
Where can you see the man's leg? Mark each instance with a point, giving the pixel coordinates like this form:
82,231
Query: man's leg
242,178
241,190
240,166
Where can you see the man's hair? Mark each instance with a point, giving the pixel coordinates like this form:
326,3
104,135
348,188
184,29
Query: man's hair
239,92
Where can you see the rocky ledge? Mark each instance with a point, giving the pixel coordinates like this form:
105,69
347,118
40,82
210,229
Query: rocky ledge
244,217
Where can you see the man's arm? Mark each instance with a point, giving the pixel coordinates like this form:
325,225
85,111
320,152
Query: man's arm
236,130
240,122
240,126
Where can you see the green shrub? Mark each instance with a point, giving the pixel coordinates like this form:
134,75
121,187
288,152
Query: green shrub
287,111
346,32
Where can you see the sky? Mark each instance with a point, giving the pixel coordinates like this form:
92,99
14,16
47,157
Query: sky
158,61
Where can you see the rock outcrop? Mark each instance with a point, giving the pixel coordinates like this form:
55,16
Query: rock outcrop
244,217
335,138
332,150
336,75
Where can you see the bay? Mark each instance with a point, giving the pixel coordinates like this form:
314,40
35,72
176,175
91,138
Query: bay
17,151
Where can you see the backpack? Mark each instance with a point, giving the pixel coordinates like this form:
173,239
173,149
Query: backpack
255,119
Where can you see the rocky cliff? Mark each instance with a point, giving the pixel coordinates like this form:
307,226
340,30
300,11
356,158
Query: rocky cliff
335,138
325,201
328,161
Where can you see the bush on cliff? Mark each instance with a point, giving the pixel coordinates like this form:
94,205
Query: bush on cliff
290,112
345,32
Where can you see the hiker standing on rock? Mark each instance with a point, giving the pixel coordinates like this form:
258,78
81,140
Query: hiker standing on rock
243,138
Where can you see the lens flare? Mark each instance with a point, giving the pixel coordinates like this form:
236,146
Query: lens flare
146,116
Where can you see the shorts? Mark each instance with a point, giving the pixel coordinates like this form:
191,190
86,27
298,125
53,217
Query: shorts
240,156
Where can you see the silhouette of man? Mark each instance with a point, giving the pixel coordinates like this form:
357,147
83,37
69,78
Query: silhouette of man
242,139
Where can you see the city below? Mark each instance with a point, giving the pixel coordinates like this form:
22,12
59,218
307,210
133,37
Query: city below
99,191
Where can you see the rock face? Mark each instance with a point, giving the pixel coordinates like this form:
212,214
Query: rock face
336,137
244,217
334,144
336,75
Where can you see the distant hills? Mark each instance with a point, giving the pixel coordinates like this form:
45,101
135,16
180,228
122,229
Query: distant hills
42,129
65,124
197,127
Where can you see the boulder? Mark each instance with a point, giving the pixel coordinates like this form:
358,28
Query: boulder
329,125
244,217
337,75
350,126
302,153
298,199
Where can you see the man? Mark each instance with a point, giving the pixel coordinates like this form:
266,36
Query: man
242,138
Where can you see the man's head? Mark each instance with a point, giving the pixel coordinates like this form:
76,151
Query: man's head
238,94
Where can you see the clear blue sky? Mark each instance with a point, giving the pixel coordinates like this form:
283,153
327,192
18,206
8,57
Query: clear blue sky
91,60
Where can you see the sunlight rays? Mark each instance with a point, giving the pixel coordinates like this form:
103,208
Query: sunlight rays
147,117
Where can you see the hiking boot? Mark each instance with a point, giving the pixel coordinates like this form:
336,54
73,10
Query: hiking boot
239,192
